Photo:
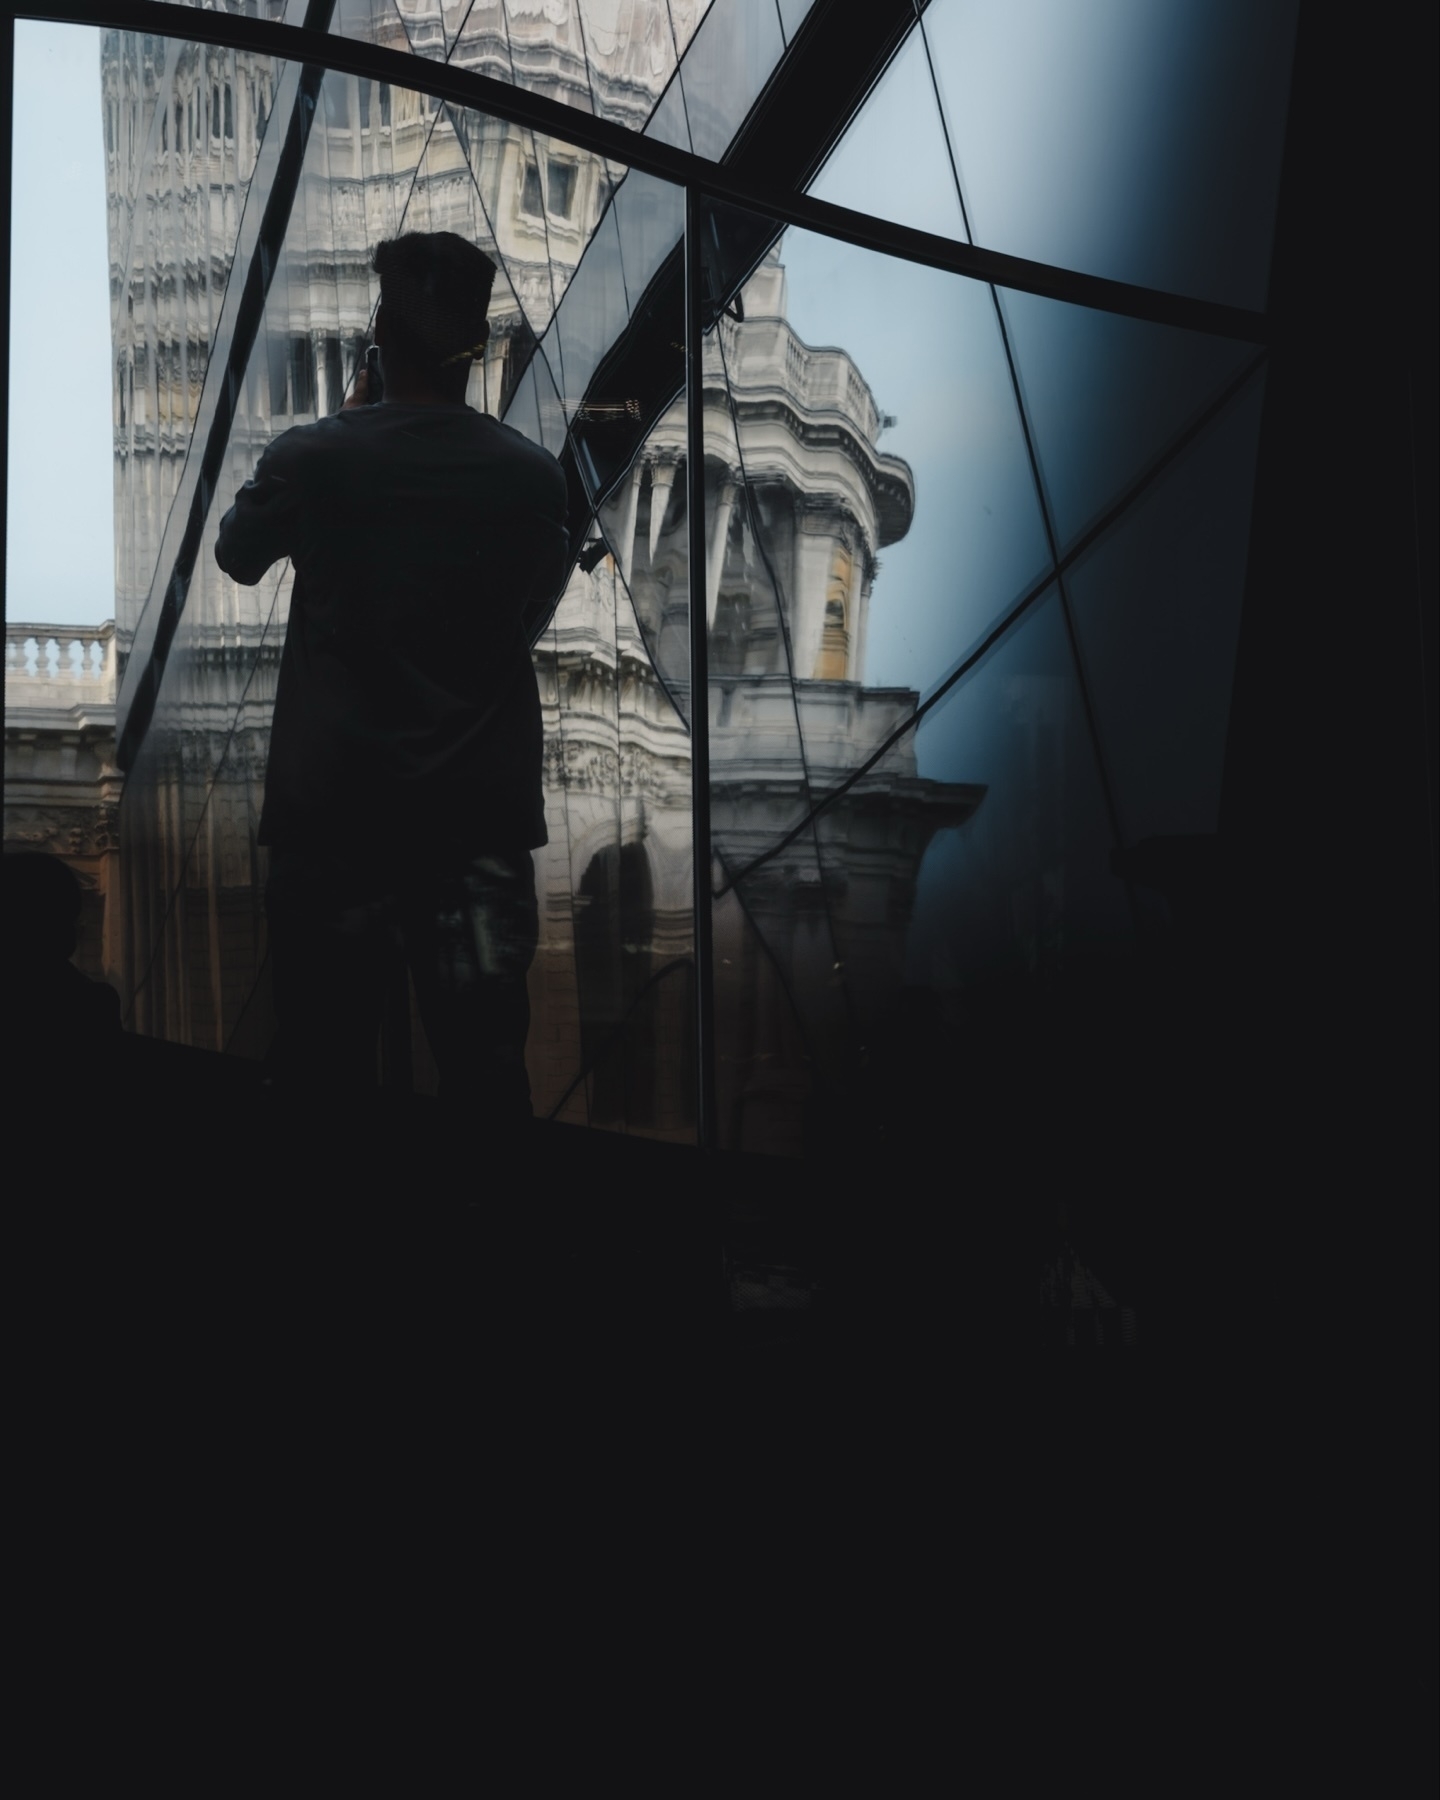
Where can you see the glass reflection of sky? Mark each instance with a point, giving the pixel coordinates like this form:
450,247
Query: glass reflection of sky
892,161
929,347
1127,138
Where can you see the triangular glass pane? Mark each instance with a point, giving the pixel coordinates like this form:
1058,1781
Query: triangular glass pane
1106,395
792,16
892,161
593,313
1157,611
650,215
727,63
668,123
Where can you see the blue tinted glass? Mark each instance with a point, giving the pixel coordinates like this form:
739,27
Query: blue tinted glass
1131,140
1157,611
1024,887
855,554
1106,395
893,160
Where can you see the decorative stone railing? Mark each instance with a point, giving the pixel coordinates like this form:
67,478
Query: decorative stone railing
818,378
59,665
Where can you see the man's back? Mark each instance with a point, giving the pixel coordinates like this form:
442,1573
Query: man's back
407,699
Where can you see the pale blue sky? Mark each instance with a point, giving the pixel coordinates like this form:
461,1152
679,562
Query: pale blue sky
60,542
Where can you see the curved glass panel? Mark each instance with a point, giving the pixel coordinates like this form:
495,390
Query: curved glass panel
1125,139
957,654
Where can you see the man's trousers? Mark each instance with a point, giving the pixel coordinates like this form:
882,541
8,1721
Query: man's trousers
342,928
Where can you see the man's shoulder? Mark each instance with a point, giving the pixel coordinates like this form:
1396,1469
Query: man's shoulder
357,446
300,443
515,443
524,456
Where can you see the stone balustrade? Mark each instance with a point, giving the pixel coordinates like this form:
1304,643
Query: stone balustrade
59,665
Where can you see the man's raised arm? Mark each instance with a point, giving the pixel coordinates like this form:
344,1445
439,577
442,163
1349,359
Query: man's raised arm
258,530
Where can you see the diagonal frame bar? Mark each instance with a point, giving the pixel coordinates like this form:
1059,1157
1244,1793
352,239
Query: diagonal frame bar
705,1102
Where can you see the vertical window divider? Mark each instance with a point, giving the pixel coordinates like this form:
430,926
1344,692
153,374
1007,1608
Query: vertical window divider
705,1122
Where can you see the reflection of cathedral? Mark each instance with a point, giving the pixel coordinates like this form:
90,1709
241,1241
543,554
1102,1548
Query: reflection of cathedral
800,502
614,670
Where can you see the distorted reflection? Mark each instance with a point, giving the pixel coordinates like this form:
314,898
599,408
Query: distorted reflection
901,806
377,161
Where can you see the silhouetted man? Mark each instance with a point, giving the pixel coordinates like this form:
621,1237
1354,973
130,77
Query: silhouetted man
403,793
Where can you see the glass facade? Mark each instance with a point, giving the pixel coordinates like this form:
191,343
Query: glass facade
971,556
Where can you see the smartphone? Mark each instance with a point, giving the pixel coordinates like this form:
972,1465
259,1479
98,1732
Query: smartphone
374,383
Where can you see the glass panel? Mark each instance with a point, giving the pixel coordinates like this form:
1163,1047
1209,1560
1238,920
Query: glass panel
644,524
1025,886
792,15
724,69
1129,140
612,985
617,944
888,869
972,873
1106,396
893,160
1157,611
179,307
855,554
613,58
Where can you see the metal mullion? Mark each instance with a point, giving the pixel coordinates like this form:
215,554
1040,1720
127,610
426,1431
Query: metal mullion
705,1122
7,77
500,100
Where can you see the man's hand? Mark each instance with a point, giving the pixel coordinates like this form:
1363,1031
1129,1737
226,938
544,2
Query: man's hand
361,393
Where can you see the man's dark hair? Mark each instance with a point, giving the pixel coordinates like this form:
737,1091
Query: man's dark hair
435,288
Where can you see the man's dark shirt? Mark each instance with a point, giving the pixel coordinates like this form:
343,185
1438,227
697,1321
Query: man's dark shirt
407,704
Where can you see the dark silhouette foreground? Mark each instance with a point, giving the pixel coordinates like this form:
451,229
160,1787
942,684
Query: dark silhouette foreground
404,795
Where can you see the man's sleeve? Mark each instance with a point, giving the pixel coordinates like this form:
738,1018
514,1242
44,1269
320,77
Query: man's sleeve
260,528
547,540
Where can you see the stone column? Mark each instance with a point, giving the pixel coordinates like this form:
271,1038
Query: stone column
625,544
719,538
662,479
